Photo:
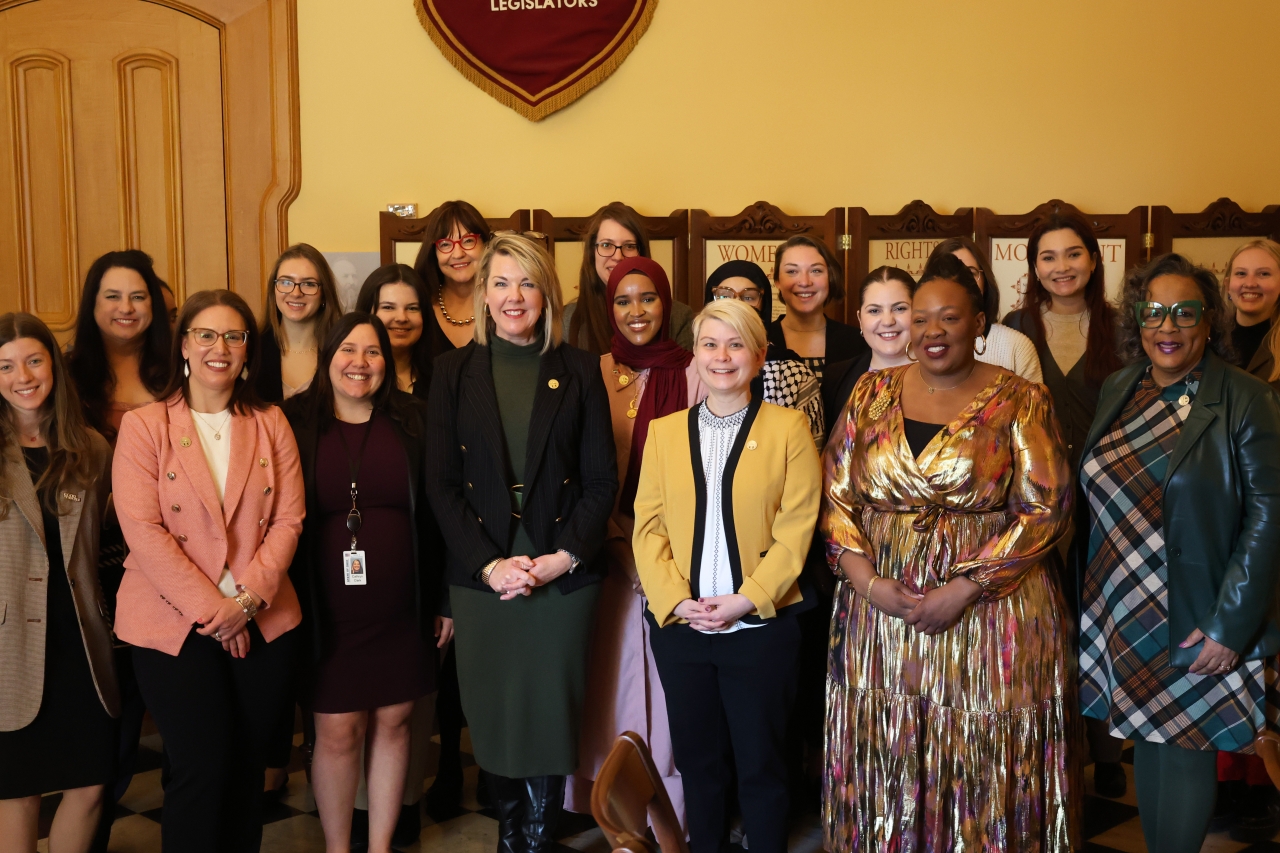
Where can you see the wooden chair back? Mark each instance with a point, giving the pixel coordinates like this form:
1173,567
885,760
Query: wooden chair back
394,230
903,239
1209,237
628,795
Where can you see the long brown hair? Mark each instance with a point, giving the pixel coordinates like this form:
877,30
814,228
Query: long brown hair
1101,358
589,328
62,423
330,306
244,397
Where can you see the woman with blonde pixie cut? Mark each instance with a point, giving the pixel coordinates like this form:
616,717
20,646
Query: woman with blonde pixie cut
724,515
520,470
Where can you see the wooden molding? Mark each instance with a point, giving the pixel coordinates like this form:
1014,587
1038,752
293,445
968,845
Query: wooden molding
915,221
1223,218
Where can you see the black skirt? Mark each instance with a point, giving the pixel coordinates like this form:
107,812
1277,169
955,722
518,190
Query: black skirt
72,741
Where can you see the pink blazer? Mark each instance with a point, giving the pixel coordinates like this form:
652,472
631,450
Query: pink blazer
180,538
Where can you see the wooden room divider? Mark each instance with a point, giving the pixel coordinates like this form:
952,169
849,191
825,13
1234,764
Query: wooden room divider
400,238
1210,236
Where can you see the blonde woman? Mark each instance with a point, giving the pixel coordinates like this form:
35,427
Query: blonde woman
1252,280
520,469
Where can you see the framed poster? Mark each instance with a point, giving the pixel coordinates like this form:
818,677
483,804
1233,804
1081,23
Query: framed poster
1210,236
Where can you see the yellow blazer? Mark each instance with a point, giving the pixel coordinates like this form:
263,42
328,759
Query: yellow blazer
776,489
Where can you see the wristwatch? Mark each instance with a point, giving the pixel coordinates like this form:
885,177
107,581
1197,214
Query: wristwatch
487,571
574,562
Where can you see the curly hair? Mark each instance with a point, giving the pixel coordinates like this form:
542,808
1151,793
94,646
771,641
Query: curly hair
1138,281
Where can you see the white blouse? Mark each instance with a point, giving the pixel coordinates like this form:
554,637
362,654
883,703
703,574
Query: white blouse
217,455
715,574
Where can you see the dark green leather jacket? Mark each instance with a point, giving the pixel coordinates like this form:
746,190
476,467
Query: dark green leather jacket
1221,509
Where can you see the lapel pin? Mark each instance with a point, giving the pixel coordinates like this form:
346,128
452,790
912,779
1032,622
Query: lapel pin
553,384
1184,400
185,442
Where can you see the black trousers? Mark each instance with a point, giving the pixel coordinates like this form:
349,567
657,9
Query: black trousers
728,699
216,715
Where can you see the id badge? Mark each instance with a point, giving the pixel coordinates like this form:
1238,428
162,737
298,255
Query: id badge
354,568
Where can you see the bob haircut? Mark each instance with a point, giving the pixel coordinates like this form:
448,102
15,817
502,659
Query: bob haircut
243,397
440,223
884,275
739,316
330,306
1138,282
589,328
535,263
62,422
990,290
835,270
87,356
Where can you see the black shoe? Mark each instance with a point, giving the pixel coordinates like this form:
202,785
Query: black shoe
444,797
544,801
359,830
1258,815
1109,779
483,796
509,802
1224,811
408,826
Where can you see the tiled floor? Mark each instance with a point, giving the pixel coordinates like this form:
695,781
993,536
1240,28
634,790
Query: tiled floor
292,826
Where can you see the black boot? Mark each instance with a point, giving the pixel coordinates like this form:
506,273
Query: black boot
544,801
509,802
1257,817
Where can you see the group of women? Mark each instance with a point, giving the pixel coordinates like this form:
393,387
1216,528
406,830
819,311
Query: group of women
901,561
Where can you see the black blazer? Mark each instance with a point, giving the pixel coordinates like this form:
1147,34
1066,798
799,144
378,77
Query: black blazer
430,592
267,383
844,342
838,379
1221,509
570,476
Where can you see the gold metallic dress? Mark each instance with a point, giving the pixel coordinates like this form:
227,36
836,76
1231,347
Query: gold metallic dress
960,741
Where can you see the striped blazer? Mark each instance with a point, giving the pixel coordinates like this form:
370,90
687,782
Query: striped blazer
180,538
24,582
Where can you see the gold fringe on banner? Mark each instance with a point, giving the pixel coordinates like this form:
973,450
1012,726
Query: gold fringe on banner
539,109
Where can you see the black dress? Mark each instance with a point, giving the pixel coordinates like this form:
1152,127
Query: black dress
72,741
372,654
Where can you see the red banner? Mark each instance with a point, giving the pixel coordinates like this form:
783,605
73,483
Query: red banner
536,56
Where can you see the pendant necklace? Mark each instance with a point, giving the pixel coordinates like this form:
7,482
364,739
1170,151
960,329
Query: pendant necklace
217,431
624,380
949,388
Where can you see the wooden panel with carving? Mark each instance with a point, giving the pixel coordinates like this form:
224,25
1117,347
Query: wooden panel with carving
1120,238
903,239
671,230
394,230
42,185
1210,236
753,235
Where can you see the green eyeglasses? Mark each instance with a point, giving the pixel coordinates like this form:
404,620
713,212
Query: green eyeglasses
1186,313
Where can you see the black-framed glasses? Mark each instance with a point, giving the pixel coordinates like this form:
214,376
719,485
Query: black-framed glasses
208,337
753,296
467,241
1186,313
608,248
309,286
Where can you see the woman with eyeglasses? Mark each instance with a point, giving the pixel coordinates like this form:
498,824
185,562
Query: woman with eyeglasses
648,375
784,380
369,575
302,310
615,233
56,663
809,276
1000,345
210,496
1072,327
1178,635
452,244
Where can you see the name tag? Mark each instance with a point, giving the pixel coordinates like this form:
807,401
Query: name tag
354,568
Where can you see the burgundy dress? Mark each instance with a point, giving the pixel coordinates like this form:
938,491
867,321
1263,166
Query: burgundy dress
373,653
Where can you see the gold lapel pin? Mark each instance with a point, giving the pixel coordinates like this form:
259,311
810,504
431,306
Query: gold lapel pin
553,384
185,442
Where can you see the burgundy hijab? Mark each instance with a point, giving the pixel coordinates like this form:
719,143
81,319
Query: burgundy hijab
666,390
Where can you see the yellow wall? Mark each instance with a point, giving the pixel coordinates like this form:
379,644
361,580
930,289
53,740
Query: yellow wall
809,104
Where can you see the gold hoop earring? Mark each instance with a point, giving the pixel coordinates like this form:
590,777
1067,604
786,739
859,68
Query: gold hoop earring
910,357
982,351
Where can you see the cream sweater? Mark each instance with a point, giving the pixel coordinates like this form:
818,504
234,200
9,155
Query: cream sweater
1012,350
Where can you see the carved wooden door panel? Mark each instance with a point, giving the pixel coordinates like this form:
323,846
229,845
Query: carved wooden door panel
111,137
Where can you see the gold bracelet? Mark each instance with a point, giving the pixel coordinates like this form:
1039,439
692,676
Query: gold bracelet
873,583
487,571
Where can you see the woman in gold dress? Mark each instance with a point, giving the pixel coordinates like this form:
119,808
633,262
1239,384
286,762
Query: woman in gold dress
950,690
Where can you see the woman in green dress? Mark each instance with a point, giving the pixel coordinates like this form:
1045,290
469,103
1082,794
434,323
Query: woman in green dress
521,472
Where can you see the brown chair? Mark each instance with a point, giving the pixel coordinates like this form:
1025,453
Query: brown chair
1268,746
628,795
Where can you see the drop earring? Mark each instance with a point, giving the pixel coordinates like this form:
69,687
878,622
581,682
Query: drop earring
186,368
244,374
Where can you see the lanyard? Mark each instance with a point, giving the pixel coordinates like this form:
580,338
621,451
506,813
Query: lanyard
353,466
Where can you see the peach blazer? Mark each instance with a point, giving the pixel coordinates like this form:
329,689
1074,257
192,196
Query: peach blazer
180,539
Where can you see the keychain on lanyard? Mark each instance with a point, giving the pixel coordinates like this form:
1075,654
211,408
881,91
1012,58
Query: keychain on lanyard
355,567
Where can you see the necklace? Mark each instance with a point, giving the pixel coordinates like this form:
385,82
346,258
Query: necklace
633,408
297,351
950,387
217,431
445,312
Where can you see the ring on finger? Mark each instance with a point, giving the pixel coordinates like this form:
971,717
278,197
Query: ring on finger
217,635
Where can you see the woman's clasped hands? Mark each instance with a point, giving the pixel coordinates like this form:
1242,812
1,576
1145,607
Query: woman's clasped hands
931,612
520,575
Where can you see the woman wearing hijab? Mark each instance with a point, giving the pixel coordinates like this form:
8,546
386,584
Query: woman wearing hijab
648,375
784,380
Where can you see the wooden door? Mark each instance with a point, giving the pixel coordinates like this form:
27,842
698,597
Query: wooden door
111,137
